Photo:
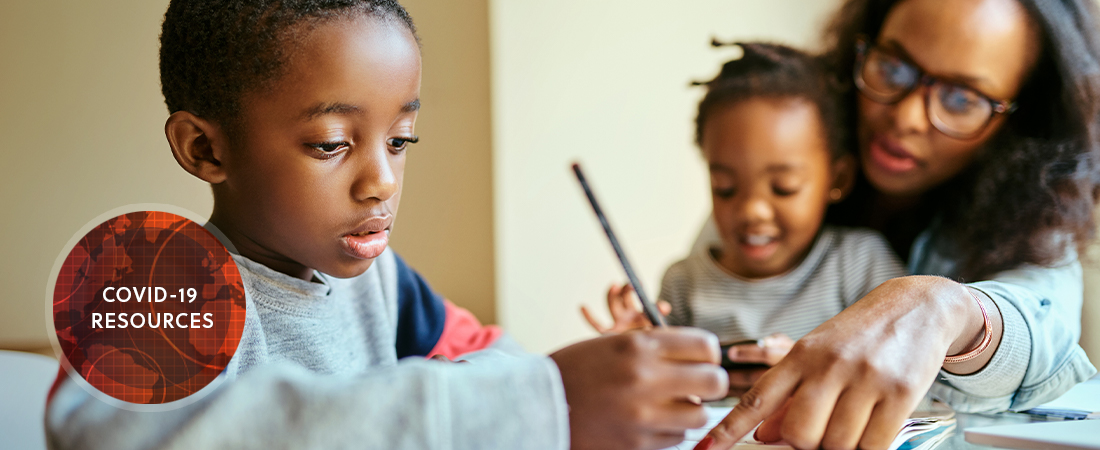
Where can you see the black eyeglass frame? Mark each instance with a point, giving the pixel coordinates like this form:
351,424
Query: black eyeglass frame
863,47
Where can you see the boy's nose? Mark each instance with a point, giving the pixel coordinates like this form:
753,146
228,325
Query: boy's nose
376,177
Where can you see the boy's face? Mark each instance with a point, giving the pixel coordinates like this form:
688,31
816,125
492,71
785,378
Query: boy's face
771,173
313,180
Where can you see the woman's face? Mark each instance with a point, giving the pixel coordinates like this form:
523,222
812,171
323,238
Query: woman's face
989,46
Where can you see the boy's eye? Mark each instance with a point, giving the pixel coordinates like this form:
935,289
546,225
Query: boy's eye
402,142
330,147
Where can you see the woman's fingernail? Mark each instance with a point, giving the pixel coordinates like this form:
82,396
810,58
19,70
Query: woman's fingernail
704,444
732,353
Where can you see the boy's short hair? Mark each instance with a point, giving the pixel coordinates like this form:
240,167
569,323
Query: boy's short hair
776,71
214,52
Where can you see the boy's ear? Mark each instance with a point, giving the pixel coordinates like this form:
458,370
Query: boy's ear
844,177
198,145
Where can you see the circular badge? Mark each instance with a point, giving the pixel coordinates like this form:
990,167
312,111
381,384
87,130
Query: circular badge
148,307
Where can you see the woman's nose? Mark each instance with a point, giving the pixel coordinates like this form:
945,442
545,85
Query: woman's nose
910,114
375,177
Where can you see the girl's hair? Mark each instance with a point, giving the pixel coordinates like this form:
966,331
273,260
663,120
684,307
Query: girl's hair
779,72
212,52
1028,197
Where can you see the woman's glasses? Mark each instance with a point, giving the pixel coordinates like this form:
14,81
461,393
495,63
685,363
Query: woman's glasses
955,110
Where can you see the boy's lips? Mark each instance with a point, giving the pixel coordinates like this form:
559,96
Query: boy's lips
369,245
373,224
369,240
890,156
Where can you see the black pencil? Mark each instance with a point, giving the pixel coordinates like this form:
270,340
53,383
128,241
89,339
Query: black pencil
650,309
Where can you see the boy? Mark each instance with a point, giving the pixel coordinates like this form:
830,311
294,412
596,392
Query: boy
299,114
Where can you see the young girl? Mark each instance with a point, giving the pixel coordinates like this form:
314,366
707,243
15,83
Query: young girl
770,132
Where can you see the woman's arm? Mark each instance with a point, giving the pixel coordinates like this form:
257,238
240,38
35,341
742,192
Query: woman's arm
1039,357
856,378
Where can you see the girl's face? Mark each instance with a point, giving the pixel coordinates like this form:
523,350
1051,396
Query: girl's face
988,46
771,176
315,179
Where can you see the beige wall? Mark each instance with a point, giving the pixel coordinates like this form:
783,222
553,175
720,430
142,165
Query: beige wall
445,229
605,83
81,120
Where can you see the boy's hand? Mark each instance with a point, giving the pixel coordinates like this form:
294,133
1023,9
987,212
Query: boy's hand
769,351
634,390
625,311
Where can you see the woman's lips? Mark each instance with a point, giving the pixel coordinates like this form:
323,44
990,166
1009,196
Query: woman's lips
366,246
890,157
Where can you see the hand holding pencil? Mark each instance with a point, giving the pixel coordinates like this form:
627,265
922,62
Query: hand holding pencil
632,390
649,385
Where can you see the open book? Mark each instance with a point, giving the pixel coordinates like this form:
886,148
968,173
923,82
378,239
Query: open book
928,426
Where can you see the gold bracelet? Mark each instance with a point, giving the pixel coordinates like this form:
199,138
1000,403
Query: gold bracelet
985,339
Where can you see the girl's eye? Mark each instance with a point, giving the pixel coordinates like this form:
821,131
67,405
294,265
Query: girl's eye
401,143
330,147
723,193
784,191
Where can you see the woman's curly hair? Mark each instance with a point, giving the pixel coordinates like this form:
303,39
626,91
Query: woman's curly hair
1029,196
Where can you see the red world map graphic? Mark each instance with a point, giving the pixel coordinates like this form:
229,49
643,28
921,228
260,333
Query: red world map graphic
178,336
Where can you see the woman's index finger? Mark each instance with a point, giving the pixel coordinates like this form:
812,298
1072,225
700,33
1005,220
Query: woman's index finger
767,396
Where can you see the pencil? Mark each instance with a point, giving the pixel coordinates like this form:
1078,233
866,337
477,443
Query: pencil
650,310
647,306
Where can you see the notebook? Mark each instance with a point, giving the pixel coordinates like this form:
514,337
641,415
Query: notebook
1064,435
1080,402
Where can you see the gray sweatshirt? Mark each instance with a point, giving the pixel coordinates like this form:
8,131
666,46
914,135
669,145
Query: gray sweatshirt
318,367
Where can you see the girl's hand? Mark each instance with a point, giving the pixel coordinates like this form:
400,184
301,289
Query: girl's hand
853,381
769,351
639,390
625,311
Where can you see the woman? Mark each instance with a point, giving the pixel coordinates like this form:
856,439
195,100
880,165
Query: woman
978,137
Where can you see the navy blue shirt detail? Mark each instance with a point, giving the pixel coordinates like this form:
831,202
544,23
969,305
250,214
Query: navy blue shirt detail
421,313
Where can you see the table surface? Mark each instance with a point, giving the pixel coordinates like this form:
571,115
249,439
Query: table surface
957,442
